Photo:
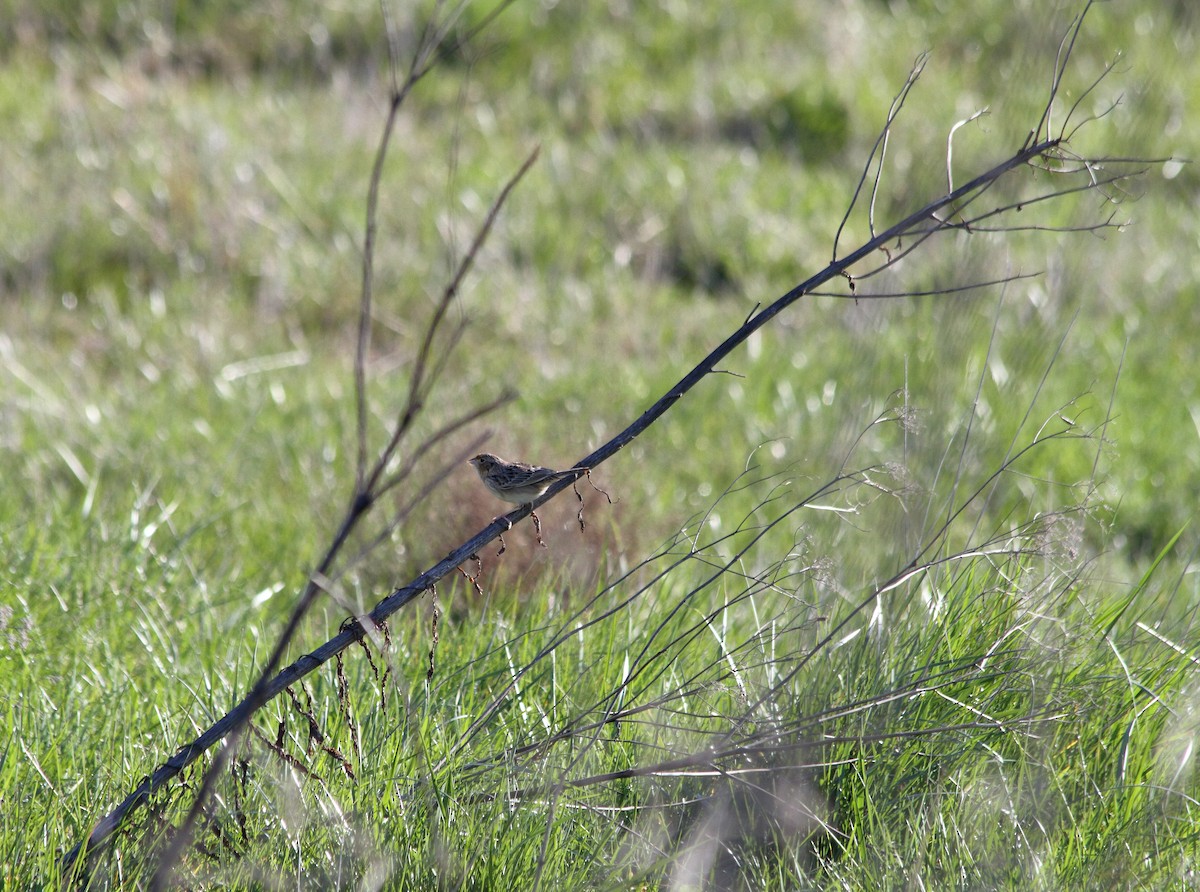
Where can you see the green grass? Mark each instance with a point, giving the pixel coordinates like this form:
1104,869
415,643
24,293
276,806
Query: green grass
183,203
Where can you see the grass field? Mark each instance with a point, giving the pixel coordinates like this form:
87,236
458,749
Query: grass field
903,598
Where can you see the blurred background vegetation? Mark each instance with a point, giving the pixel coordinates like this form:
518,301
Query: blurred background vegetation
185,194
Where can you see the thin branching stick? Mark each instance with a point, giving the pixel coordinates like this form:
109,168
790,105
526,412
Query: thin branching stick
370,482
1040,149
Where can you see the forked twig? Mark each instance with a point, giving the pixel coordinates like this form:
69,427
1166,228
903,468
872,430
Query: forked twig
880,150
369,482
1040,147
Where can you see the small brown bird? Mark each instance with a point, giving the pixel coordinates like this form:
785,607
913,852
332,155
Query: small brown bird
516,481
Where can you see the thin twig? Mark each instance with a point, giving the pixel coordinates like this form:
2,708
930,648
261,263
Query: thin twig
879,148
366,492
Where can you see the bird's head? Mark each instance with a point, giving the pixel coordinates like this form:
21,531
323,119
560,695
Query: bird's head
483,461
